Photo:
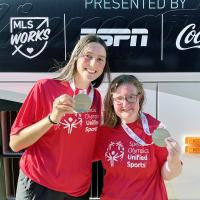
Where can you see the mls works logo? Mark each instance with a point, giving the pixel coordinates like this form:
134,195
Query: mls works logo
29,35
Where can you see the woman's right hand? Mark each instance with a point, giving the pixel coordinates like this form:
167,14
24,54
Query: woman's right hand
29,135
62,105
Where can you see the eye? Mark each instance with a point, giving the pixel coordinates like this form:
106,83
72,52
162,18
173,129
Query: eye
132,98
100,60
120,98
88,56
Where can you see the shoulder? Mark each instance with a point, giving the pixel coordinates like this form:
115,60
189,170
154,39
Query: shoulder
152,121
150,117
47,81
104,130
104,127
103,134
97,93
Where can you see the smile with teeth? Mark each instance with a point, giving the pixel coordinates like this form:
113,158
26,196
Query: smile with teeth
90,71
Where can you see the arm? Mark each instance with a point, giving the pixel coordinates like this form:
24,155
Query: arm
28,136
31,134
173,166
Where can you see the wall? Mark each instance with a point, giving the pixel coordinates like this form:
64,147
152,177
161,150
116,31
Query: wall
172,98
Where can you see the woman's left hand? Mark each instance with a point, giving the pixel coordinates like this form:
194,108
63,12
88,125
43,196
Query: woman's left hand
173,165
174,150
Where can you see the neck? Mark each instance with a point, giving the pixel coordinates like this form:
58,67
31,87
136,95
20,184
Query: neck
80,84
130,120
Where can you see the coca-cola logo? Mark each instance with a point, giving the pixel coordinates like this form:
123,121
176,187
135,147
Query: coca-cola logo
188,38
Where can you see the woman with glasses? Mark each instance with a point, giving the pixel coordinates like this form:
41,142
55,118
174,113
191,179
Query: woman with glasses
135,167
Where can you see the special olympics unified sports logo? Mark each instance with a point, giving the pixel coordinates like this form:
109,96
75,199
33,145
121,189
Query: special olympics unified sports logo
70,123
114,152
29,35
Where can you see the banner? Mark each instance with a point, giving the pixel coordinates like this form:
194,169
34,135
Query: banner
142,35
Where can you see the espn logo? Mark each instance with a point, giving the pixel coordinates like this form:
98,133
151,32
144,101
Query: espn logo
113,36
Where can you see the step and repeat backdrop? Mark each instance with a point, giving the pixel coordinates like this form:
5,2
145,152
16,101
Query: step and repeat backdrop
142,35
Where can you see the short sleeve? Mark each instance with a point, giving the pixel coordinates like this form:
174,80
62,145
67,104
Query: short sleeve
31,110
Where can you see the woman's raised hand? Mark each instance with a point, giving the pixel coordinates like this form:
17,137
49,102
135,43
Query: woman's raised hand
62,105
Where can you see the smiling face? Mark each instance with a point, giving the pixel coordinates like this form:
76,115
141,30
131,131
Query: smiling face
90,64
124,106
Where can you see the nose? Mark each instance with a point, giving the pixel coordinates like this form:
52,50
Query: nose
125,102
93,62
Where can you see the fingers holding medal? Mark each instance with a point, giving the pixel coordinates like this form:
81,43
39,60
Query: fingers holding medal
64,103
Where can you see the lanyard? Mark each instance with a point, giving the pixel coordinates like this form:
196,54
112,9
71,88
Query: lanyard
132,134
84,91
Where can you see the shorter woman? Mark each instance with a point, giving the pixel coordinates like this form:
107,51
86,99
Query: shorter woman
135,167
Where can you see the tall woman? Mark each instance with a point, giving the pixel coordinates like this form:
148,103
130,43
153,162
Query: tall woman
58,141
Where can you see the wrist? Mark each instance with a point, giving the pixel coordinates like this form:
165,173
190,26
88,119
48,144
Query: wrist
173,164
51,120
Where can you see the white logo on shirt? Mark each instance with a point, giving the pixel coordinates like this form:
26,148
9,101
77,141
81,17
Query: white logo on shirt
114,152
70,122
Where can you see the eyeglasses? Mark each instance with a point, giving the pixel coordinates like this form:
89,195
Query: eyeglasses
130,99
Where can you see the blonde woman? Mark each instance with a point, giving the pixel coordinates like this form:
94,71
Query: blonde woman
59,142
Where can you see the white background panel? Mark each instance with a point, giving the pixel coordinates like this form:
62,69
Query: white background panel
181,115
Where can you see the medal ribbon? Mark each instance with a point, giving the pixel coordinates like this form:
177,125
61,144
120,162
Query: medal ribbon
84,91
133,135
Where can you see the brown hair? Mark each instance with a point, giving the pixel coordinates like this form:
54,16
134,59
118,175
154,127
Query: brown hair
110,117
69,69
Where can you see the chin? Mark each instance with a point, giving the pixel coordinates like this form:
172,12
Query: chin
129,118
126,118
91,76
